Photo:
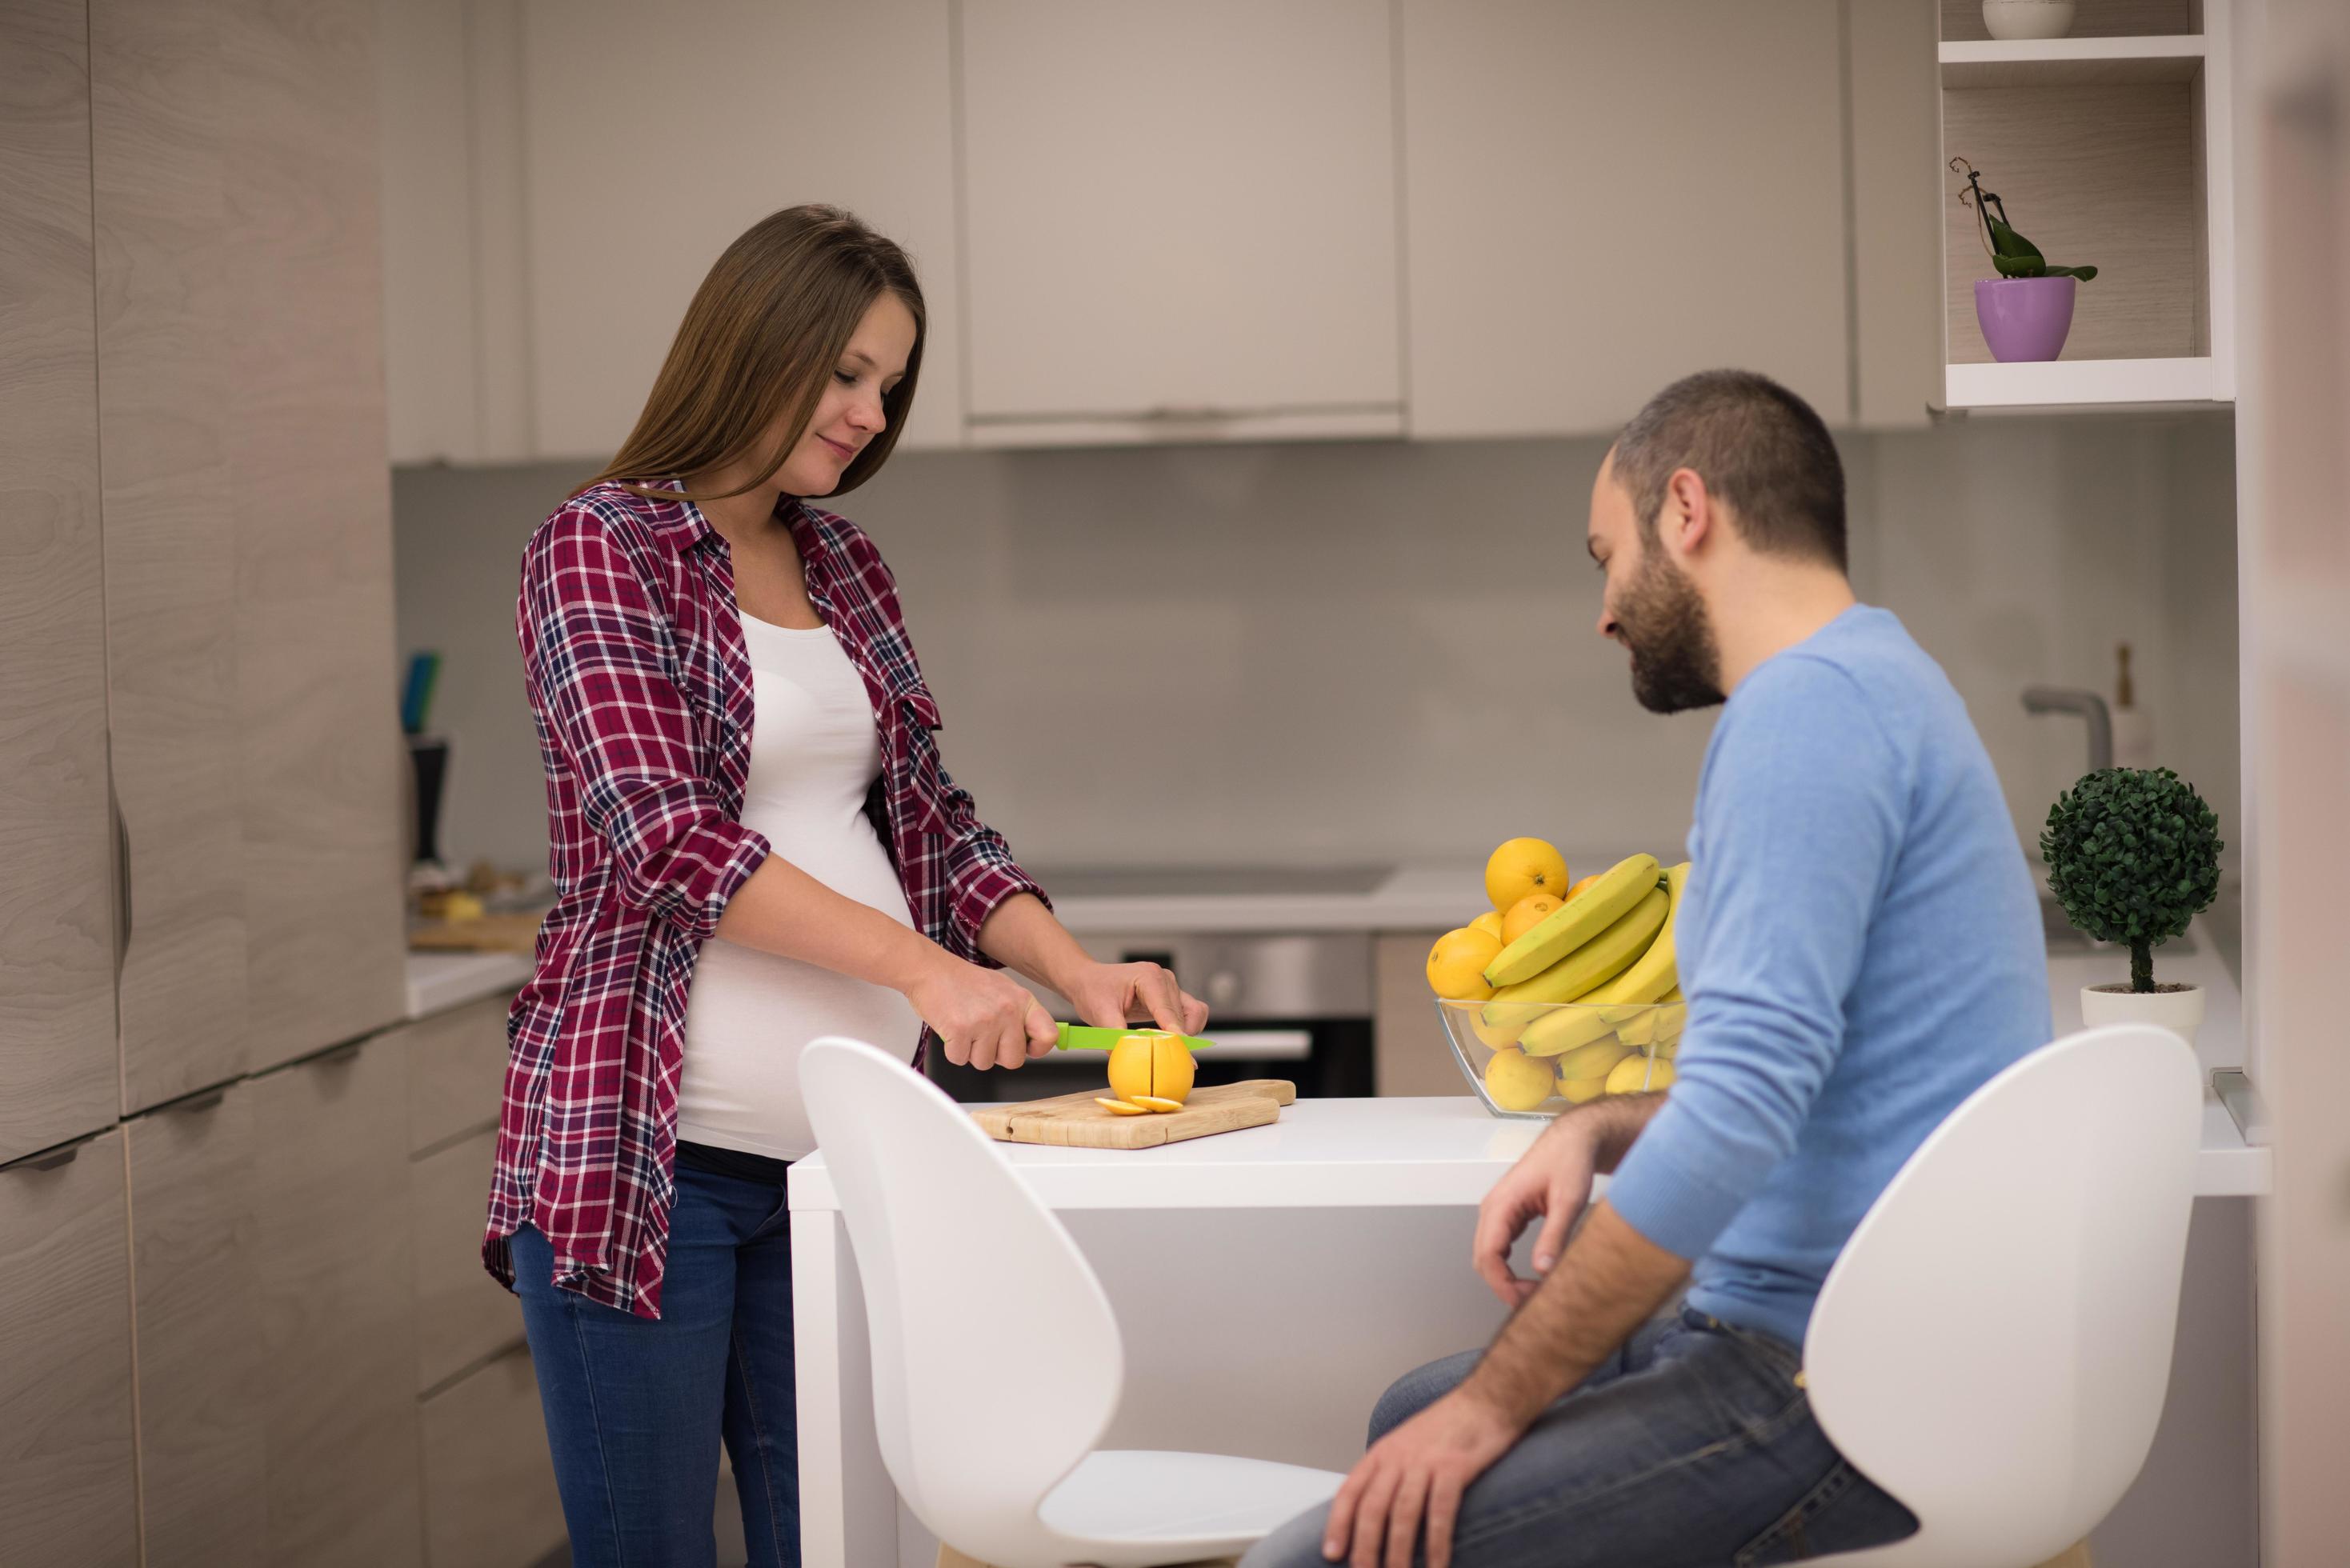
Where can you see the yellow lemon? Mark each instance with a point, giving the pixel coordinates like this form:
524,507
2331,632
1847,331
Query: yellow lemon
1120,1108
1490,922
1517,1081
1581,1091
1520,866
1528,913
1456,964
1144,1066
1634,1074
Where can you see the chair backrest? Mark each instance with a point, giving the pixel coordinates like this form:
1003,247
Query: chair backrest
996,1359
1993,1345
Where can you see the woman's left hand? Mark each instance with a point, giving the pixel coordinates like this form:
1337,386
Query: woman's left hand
1112,995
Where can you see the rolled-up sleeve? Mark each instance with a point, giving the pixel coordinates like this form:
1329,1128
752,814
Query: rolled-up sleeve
981,872
595,646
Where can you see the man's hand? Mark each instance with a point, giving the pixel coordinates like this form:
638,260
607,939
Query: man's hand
1111,995
1415,1475
1552,1180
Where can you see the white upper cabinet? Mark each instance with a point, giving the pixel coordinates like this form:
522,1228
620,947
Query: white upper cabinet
1180,220
1603,195
653,135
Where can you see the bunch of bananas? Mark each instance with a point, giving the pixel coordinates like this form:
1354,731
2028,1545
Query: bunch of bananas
1606,946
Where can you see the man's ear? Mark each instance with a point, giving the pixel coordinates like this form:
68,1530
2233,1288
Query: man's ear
1686,522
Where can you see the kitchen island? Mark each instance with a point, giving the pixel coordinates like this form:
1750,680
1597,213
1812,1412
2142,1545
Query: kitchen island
1268,1284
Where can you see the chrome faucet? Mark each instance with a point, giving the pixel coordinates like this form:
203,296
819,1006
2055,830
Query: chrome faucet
2089,705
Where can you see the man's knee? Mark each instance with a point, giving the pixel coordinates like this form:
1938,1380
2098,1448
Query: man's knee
1297,1545
1416,1390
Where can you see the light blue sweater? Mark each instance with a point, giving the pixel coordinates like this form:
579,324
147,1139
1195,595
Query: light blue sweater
1860,944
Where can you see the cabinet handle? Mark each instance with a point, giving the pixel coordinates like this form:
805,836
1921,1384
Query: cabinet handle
1169,413
55,1157
121,887
196,1104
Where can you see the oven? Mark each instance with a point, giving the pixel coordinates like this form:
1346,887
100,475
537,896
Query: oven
1280,1005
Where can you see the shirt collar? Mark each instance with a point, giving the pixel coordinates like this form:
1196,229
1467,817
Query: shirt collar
681,526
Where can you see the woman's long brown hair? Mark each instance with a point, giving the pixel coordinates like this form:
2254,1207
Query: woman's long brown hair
765,329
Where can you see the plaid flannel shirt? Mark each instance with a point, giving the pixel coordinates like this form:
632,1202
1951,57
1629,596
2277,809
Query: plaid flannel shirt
640,687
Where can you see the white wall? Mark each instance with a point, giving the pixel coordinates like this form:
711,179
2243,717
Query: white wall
1370,652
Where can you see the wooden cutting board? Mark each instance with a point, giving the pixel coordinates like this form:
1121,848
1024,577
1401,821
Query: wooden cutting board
507,933
1076,1121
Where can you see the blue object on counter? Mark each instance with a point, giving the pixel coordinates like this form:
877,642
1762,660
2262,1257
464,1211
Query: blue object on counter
416,701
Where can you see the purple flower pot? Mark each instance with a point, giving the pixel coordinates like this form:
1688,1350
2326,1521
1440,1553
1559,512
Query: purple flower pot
2025,317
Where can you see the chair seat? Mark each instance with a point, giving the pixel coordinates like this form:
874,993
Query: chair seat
1136,1509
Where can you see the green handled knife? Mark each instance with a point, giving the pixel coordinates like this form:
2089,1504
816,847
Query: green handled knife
1079,1037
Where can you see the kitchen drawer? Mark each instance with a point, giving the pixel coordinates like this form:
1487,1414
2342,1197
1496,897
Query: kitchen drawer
203,1483
462,1313
489,1486
334,1269
456,1071
1408,1048
68,1492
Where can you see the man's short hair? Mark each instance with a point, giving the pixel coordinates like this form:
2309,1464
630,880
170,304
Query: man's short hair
1759,448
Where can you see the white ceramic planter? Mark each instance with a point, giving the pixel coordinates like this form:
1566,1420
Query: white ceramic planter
2027,18
2180,1011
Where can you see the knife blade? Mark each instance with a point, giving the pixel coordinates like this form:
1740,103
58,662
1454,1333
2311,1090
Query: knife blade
1082,1037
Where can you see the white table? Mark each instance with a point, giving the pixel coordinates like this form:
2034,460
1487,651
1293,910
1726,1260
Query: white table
1268,1284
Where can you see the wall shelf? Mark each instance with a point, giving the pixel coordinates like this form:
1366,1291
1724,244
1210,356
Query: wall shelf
2112,149
2092,383
2071,62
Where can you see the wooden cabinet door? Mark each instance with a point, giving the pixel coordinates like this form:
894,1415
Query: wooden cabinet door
489,1485
1180,219
195,1313
58,1073
462,1313
697,119
1409,1050
1605,195
456,1072
171,540
334,1271
319,755
67,1488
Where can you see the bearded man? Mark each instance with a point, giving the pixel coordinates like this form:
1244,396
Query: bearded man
1861,950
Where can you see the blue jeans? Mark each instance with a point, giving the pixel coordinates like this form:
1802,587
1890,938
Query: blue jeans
1694,1447
636,1409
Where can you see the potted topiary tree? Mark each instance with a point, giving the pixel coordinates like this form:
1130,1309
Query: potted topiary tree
2133,855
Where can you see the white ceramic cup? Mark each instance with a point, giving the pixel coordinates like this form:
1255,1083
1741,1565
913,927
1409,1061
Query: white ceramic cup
2178,1011
2027,18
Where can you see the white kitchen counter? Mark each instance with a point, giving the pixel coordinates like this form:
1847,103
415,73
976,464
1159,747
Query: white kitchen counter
438,981
1368,1154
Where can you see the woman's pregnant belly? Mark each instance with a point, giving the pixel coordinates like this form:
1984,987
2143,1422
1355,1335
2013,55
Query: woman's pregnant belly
749,1014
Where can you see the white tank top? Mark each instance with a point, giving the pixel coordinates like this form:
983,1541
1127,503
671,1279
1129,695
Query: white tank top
814,753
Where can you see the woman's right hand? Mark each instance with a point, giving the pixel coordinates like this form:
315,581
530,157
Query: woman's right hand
987,1018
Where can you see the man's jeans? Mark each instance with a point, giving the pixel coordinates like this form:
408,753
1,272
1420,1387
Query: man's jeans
1694,1447
636,1409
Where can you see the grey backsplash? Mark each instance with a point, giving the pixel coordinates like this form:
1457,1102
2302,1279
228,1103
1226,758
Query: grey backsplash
1363,652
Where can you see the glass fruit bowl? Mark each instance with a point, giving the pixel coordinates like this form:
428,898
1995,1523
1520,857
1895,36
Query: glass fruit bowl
1534,1059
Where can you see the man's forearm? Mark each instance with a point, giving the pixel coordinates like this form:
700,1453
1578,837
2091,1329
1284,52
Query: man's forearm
1611,1281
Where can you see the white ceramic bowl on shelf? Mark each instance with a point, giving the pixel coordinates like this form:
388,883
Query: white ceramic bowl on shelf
1534,1059
2009,19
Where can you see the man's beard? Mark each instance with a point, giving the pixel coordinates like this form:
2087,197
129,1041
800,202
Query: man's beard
1676,663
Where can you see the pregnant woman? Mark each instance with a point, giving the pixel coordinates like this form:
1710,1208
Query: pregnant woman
753,844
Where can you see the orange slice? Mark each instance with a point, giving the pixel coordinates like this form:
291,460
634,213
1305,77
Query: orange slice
1120,1108
1158,1103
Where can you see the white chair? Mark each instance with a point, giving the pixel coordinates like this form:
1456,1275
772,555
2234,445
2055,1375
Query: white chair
1993,1345
996,1359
